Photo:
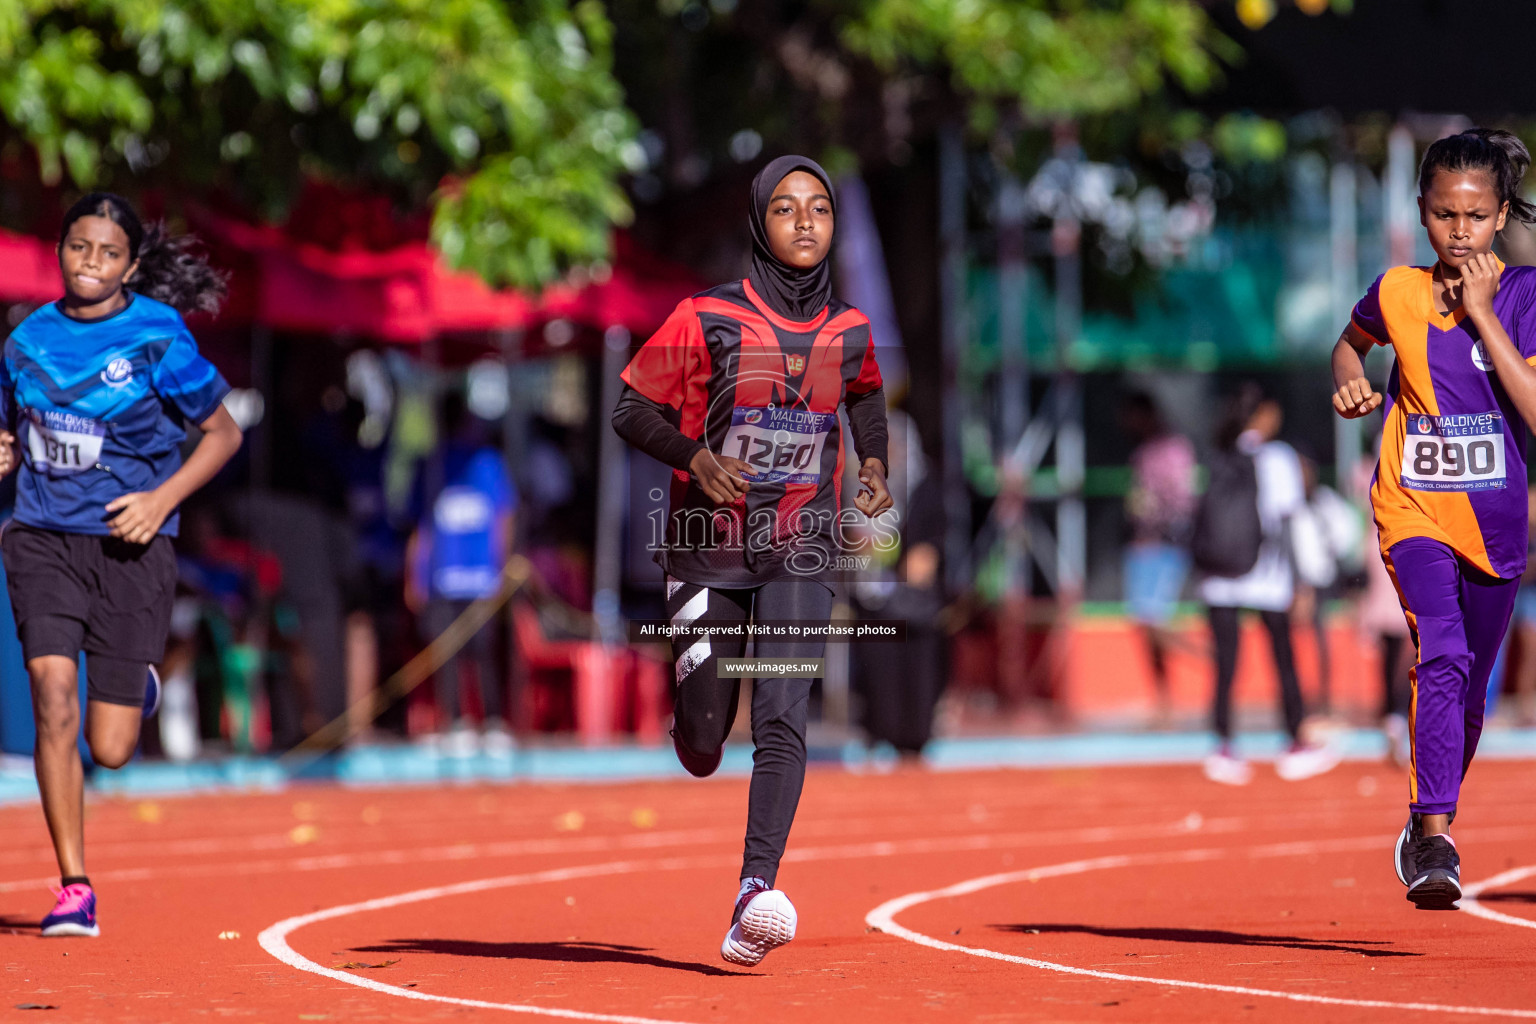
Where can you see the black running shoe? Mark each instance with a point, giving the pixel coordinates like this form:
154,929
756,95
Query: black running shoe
699,765
1437,880
1402,856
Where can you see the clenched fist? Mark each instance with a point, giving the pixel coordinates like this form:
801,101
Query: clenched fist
1356,398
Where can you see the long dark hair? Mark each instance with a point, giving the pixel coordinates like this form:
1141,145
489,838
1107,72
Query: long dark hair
1237,413
172,270
1498,153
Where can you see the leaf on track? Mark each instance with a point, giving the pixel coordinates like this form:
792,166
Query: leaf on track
352,965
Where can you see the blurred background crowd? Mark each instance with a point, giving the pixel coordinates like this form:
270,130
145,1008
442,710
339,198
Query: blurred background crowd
1103,248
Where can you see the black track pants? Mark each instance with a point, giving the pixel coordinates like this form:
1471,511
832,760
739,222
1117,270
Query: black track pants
705,705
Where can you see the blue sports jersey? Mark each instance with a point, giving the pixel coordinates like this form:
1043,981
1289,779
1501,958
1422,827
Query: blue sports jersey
461,549
98,408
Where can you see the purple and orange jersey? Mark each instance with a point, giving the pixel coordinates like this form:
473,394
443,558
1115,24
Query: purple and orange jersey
1452,465
760,388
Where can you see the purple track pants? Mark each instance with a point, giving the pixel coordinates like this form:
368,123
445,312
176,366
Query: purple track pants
1458,616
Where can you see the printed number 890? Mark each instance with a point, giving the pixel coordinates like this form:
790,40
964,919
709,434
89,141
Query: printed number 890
1450,458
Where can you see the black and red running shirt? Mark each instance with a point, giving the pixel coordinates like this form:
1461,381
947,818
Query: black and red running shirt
764,389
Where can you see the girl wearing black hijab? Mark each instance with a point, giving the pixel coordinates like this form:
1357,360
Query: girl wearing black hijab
739,393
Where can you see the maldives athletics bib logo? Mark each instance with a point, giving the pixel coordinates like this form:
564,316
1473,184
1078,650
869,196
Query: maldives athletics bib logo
1423,425
119,373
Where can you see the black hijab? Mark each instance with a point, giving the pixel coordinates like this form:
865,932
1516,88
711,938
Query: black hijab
788,291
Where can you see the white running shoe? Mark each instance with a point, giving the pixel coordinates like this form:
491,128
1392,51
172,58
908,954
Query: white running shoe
496,739
764,922
1228,770
461,740
1304,762
1396,729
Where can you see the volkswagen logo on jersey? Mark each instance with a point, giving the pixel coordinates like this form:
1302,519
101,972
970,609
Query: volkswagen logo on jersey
1422,425
753,416
795,364
118,373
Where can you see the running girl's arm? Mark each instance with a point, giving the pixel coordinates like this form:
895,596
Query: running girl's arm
9,458
866,418
642,422
667,369
871,439
1479,284
139,516
1353,395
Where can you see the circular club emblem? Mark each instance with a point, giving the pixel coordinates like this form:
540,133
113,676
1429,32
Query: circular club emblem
118,372
1422,424
754,416
1479,356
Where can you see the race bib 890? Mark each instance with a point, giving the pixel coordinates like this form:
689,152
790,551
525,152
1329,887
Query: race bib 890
61,442
781,445
1464,452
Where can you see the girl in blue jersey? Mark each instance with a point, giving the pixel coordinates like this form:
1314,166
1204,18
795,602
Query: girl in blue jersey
95,390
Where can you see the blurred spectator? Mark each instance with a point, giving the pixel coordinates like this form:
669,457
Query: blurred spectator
231,631
1381,617
454,558
900,684
1325,545
1525,629
1254,477
1158,509
1382,620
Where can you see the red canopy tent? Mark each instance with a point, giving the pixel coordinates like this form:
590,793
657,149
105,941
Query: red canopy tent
29,269
638,293
404,294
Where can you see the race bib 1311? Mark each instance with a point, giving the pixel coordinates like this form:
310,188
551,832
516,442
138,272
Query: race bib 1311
61,443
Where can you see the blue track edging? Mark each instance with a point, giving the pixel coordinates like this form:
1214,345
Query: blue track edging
411,765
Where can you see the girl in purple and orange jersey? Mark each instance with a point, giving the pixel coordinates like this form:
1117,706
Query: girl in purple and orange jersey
1449,494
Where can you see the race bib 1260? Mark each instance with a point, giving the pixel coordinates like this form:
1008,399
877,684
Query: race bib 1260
1463,452
781,445
61,442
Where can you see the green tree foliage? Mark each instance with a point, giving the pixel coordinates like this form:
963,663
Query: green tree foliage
1054,58
862,80
501,114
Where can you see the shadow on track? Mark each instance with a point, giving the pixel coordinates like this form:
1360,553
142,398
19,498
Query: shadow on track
13,923
1507,897
1214,937
561,952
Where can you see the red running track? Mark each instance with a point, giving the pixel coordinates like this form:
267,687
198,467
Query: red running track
1084,895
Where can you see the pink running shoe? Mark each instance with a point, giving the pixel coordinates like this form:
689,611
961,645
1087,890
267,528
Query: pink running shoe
74,913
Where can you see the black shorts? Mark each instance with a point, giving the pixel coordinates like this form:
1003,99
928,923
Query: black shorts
74,592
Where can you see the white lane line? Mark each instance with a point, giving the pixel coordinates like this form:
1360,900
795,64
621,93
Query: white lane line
275,939
883,918
646,841
1471,904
